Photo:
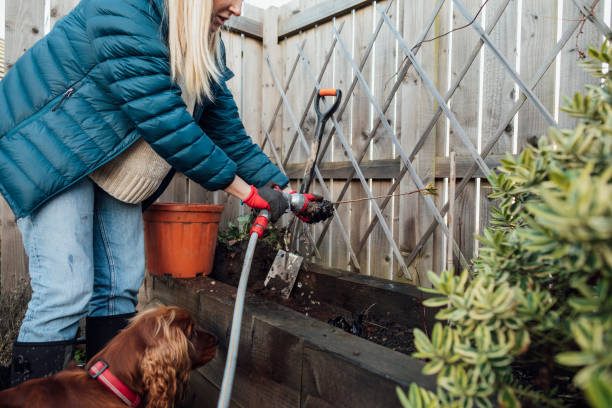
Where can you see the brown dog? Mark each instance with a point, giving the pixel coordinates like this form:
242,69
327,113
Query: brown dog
150,360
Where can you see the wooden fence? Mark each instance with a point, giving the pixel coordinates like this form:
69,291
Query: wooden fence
501,78
480,92
2,35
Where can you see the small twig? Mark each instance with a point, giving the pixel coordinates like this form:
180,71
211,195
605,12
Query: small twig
429,190
374,324
458,28
365,313
438,37
581,54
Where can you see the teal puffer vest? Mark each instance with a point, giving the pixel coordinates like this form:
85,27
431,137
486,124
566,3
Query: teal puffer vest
95,84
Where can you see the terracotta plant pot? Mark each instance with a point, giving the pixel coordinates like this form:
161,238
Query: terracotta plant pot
180,239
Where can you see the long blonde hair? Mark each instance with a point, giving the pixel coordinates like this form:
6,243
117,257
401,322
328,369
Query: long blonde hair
194,49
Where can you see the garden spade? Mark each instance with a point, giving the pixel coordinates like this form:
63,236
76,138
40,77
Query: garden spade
286,266
283,272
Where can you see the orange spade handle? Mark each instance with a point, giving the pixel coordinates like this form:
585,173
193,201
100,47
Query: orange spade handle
327,92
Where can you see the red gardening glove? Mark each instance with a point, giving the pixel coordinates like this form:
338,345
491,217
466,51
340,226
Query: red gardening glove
268,197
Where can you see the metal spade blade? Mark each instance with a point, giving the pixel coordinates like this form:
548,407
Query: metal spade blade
283,273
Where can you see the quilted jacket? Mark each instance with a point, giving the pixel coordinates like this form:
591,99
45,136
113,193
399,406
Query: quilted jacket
95,84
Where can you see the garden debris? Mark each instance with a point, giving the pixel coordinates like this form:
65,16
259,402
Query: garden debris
13,306
354,327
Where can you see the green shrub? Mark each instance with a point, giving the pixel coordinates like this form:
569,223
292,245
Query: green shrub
532,324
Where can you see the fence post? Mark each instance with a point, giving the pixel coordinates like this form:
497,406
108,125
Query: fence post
414,118
2,37
2,70
59,8
24,26
450,216
269,94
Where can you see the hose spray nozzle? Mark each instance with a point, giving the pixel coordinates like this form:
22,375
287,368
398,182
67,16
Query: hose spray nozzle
297,202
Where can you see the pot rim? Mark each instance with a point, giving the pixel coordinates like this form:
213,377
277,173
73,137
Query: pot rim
186,207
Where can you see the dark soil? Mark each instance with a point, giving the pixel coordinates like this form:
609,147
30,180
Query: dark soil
318,211
383,331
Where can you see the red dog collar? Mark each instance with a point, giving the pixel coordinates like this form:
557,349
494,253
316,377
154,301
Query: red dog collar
99,371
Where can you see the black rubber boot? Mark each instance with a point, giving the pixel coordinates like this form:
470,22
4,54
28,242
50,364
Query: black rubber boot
37,360
100,330
5,377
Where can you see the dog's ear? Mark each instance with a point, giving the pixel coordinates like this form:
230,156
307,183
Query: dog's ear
185,323
165,365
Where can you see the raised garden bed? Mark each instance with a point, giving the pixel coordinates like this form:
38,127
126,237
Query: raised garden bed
378,310
288,358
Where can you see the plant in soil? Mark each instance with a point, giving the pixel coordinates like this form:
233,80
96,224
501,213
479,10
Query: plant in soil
532,324
239,231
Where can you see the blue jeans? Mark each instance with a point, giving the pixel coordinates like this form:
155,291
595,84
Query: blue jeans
86,254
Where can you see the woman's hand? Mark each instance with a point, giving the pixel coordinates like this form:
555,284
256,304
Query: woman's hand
268,197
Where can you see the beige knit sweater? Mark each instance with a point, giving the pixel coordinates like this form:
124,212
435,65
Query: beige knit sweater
135,174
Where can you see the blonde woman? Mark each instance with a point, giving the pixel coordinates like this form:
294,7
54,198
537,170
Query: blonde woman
92,119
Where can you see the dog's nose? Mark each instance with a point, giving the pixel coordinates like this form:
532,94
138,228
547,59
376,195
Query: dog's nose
209,336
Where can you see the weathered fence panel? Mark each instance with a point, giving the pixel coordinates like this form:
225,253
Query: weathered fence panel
2,37
572,77
24,24
59,8
343,77
483,70
481,91
418,108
